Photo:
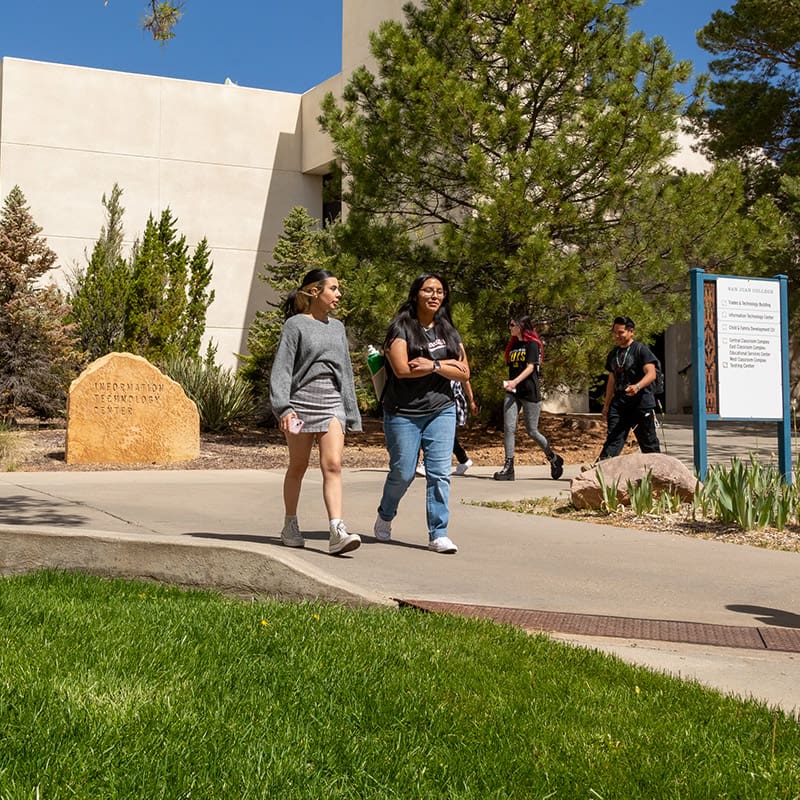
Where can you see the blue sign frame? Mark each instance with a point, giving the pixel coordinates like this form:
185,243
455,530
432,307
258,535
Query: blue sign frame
700,413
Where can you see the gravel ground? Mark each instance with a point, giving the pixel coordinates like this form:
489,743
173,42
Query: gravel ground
577,439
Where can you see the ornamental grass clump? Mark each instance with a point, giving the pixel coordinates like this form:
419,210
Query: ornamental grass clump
8,447
224,400
750,495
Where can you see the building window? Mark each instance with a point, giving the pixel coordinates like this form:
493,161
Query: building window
331,198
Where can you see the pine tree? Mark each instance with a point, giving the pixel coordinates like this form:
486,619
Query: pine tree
38,354
168,297
199,298
99,294
160,18
523,150
754,113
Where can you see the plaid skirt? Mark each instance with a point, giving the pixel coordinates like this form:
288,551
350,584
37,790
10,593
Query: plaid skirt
317,403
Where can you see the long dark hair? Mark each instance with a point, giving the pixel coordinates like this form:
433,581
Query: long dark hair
299,299
407,322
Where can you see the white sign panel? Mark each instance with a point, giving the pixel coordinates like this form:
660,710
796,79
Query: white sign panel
749,348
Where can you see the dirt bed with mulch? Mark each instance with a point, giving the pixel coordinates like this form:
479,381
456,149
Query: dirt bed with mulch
577,438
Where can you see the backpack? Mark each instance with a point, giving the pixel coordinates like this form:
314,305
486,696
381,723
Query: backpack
657,386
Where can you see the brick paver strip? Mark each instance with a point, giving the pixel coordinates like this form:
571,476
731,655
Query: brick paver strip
787,639
663,630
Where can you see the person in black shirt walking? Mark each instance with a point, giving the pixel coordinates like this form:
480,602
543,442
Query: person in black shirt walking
523,391
630,403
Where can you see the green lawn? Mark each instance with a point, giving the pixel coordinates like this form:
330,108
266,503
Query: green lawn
118,689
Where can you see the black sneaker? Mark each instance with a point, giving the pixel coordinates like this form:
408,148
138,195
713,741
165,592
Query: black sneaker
556,467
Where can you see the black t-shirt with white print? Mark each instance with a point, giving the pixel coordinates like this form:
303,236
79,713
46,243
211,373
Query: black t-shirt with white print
428,394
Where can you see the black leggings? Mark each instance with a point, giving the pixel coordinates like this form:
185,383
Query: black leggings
458,451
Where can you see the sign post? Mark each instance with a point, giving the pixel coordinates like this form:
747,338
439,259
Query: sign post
740,344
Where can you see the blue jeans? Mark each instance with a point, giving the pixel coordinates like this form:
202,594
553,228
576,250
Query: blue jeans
434,433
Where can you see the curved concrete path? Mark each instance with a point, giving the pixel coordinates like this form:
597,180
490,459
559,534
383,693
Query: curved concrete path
221,528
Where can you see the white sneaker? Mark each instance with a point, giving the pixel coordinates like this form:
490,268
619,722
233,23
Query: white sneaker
291,536
382,529
462,468
442,545
341,541
420,470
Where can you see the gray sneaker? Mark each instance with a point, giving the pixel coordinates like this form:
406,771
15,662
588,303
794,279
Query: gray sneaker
341,541
442,545
291,536
382,529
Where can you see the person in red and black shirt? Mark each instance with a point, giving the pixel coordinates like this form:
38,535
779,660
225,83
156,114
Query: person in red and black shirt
630,404
524,359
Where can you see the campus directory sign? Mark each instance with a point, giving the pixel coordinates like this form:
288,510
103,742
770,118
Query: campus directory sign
740,344
749,348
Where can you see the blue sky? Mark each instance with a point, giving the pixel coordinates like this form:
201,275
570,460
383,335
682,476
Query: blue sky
288,45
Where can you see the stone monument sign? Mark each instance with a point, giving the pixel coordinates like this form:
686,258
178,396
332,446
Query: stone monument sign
122,410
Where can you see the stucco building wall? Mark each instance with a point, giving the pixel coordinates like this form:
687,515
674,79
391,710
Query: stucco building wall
227,160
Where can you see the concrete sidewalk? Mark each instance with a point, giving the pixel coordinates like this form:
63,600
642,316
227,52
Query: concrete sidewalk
725,440
221,528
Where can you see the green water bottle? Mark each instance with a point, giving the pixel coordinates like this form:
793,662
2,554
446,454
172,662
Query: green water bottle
377,369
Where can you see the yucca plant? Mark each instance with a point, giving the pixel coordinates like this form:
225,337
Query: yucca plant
609,493
751,495
784,506
667,503
641,494
224,400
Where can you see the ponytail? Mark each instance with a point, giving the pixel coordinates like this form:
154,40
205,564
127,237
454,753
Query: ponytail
299,299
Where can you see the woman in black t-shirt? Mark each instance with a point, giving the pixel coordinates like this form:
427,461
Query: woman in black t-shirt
423,354
524,358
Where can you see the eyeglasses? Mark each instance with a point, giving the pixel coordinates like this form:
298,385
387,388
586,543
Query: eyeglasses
513,324
428,292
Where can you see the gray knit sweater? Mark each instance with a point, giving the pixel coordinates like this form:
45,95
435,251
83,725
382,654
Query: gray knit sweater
307,349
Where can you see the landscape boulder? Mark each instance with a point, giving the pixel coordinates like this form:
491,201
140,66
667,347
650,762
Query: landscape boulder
122,410
666,474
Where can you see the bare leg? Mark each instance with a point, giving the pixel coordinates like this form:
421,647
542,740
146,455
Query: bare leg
300,445
331,449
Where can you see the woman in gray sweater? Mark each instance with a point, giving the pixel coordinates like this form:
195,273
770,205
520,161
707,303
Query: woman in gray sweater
313,396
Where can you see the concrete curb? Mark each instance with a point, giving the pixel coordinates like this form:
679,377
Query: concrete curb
238,568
